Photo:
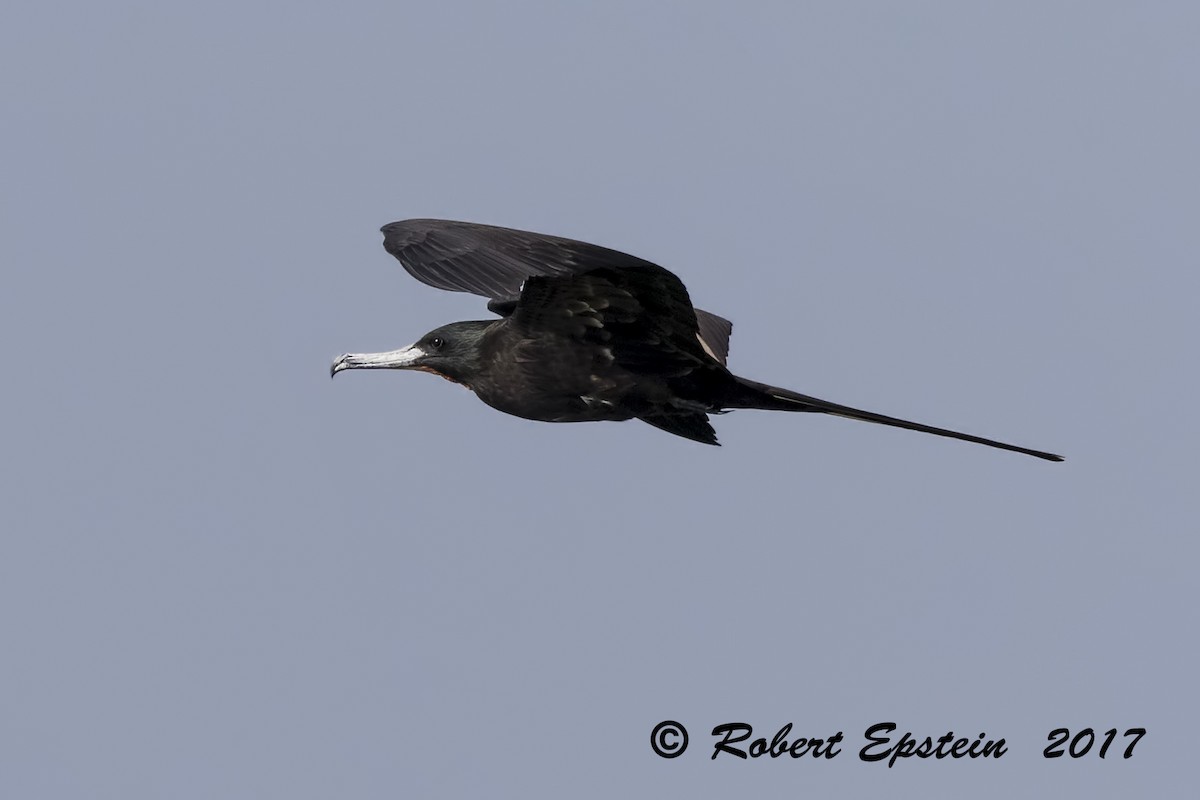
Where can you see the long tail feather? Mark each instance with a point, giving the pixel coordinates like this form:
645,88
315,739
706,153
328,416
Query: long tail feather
776,399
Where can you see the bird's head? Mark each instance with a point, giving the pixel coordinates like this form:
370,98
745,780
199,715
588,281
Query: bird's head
452,351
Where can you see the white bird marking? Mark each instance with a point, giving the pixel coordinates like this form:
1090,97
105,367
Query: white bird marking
593,401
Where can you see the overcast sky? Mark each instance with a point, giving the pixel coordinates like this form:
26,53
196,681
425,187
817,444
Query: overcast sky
223,575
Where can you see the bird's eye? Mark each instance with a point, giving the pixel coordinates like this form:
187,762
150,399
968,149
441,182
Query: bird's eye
436,342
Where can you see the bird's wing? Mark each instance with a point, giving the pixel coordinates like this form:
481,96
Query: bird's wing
694,425
495,263
714,334
639,316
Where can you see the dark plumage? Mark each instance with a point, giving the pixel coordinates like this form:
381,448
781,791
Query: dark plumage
585,334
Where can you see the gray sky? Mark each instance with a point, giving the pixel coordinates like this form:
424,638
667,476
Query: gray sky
222,575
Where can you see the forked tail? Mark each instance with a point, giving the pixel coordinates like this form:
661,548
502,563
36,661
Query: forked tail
772,398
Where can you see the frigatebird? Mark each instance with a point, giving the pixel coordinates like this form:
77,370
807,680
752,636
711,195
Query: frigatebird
585,334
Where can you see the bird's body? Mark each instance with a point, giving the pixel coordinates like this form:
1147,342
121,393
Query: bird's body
585,334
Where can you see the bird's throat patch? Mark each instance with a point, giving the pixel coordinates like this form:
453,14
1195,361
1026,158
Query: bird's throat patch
432,371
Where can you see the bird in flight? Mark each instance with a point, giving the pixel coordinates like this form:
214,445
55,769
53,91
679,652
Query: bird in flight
584,334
